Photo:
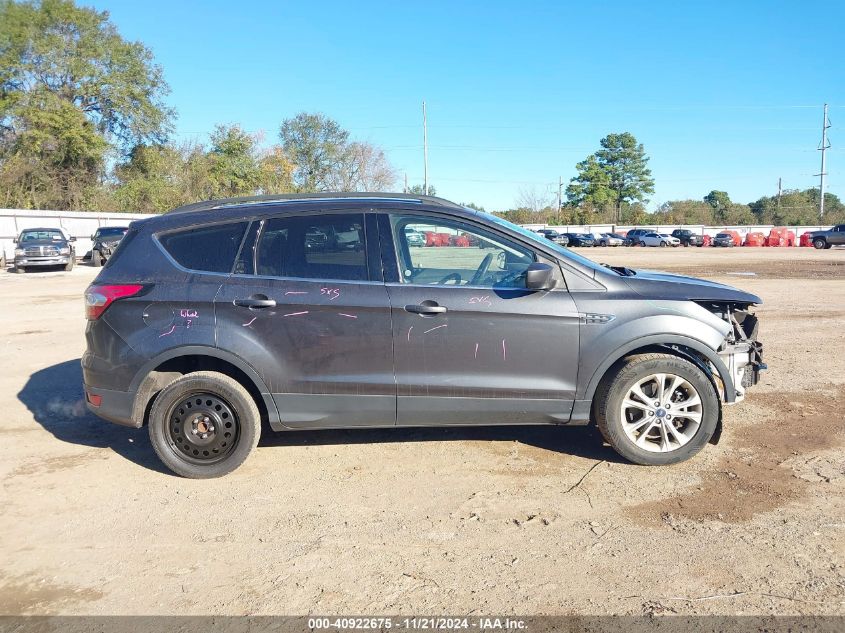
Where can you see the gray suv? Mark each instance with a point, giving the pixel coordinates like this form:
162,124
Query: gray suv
218,316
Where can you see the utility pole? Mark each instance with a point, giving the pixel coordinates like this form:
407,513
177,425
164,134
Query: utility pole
823,147
780,190
559,189
425,151
405,188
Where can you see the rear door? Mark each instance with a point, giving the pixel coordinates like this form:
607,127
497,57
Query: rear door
472,345
308,309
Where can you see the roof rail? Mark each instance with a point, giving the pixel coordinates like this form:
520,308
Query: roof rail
294,197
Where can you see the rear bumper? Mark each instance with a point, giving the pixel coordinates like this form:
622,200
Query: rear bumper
114,406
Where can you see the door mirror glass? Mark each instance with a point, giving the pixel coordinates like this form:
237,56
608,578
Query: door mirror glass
539,276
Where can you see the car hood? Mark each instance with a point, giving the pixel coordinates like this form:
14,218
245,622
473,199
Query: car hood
659,285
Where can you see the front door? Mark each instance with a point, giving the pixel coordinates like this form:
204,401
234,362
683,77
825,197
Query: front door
471,344
308,310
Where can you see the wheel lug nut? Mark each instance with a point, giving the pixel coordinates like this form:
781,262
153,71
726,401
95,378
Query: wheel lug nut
211,429
666,406
194,431
651,412
204,435
656,404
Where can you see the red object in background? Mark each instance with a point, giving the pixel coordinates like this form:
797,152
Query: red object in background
430,239
806,240
737,239
707,240
442,239
755,239
781,236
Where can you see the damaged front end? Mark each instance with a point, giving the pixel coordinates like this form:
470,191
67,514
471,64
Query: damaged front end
741,352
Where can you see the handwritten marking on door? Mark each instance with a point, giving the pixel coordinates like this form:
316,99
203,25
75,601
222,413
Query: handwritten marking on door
250,322
331,293
481,299
504,350
476,351
295,313
409,333
348,316
296,292
436,328
169,332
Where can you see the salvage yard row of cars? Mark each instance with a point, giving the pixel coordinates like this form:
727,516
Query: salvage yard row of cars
39,248
684,237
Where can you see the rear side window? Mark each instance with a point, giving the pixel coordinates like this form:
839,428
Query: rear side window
313,247
209,249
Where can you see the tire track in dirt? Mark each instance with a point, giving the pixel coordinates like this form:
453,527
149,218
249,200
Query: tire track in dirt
755,480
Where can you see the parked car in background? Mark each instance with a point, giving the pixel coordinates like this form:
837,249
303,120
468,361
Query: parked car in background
44,247
724,239
216,317
610,239
554,236
659,239
632,237
104,242
832,237
580,239
688,238
415,238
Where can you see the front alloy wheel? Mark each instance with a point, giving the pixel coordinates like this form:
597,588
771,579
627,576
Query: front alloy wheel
661,412
657,409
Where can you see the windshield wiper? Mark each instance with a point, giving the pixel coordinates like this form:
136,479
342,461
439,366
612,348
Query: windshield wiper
621,270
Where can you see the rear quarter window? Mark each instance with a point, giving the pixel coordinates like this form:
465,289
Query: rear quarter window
206,248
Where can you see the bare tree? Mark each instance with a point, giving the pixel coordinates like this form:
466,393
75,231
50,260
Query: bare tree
364,167
533,198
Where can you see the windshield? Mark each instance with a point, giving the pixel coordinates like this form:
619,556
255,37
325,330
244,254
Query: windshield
41,234
112,232
531,235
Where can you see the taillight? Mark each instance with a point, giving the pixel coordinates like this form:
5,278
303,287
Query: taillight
98,298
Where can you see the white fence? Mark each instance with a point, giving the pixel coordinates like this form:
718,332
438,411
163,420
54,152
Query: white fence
78,224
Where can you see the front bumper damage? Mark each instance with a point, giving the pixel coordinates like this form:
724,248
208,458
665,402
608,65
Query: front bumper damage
742,353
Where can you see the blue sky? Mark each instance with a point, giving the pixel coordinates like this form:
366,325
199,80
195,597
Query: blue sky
724,95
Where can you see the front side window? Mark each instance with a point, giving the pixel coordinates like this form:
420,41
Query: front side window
313,247
206,248
458,254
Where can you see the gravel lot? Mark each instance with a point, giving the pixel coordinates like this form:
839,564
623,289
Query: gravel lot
506,520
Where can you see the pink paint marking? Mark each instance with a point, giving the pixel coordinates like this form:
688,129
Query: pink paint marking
348,316
171,331
295,313
331,293
435,328
504,350
483,299
409,333
249,322
476,350
296,292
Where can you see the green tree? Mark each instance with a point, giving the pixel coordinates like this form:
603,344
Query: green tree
721,203
233,162
315,144
419,190
614,176
70,88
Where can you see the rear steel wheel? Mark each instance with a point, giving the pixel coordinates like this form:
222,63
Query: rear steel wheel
204,424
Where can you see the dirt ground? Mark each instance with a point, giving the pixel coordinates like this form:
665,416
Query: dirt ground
479,521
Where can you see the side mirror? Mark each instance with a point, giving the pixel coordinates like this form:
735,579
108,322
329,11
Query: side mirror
15,240
539,276
72,239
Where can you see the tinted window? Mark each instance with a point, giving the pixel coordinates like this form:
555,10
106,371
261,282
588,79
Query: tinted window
313,247
210,248
458,254
47,234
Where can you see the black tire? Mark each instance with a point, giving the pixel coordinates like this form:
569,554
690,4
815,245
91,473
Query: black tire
20,270
819,243
662,244
642,243
613,390
170,420
96,259
69,266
